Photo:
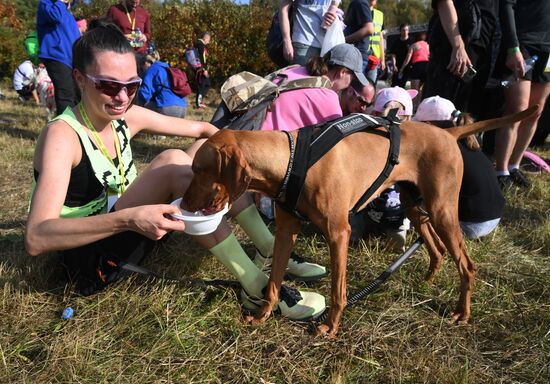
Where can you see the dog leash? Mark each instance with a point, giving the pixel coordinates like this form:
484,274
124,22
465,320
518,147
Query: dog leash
380,279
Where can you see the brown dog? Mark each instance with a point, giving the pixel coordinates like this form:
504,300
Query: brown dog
231,162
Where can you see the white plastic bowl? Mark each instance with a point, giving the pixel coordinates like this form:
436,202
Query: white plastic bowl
196,223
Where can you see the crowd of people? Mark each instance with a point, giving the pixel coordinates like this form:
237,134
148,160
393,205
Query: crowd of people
89,204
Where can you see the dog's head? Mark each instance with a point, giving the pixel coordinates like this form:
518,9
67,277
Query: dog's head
221,174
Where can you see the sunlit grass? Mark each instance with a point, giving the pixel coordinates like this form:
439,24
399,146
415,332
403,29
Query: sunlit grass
153,331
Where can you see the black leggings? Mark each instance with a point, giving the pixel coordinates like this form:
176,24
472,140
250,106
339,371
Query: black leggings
66,92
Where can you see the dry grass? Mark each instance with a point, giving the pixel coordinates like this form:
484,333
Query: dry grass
160,332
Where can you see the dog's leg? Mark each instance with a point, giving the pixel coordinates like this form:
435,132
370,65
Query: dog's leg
338,232
445,222
436,249
286,232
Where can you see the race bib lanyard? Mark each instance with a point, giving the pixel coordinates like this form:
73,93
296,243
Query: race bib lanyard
132,22
112,194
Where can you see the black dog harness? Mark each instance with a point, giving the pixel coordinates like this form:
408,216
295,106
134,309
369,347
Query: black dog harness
314,141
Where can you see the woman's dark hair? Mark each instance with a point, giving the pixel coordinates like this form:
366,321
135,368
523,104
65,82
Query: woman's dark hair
317,66
101,35
421,36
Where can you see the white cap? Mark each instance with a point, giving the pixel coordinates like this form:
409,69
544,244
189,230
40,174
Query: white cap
395,94
435,108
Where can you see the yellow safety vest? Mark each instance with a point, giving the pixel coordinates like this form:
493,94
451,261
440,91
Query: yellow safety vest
378,21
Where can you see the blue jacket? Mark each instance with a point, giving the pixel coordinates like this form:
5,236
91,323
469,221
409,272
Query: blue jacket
57,31
156,87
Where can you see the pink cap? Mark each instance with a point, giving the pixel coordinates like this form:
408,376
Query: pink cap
395,94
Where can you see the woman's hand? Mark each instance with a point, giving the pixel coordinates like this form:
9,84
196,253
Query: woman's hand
288,51
460,62
329,18
516,63
154,221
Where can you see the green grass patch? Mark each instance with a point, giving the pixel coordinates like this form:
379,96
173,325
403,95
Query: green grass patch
154,331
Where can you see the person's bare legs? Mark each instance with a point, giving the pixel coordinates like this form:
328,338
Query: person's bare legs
527,127
165,179
517,99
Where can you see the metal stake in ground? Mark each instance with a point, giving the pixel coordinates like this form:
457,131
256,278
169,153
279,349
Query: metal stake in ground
380,279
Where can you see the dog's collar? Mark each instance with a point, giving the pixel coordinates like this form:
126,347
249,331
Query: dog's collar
282,191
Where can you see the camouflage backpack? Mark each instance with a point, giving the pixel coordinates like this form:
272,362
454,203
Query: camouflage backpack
246,97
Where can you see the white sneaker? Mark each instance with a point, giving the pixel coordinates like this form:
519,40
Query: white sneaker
293,304
298,269
396,240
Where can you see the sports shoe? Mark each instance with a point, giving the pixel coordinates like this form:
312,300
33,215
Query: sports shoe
505,182
293,304
396,239
519,178
298,269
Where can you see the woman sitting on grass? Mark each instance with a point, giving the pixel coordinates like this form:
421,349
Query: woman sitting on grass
88,202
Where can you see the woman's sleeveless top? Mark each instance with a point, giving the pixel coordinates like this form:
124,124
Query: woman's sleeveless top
80,202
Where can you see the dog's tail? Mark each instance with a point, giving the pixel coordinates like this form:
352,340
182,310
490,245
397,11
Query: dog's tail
486,125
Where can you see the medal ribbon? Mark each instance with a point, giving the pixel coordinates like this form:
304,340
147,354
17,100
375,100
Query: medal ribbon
102,147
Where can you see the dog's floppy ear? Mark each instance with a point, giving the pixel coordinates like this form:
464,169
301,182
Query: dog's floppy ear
235,171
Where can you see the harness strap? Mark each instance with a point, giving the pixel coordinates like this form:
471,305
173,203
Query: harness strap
298,172
314,141
282,191
332,133
393,159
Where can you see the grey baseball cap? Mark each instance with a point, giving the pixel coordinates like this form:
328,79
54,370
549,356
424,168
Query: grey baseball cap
348,56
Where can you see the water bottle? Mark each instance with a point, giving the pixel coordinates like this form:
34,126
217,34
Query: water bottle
67,313
529,64
266,207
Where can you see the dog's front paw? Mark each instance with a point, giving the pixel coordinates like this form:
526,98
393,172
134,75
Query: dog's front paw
324,330
259,318
460,318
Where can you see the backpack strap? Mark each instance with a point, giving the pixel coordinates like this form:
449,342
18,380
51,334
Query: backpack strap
305,82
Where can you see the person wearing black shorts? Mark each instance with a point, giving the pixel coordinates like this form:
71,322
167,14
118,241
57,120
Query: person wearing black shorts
525,35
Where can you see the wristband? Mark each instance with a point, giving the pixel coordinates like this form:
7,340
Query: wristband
512,50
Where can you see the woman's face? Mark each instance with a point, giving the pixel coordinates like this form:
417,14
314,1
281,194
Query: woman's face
108,65
340,78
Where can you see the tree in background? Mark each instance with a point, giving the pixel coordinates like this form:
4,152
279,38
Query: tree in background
12,52
238,31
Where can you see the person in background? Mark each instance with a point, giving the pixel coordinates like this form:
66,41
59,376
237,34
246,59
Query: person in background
457,49
357,98
89,204
359,27
399,49
44,87
385,215
134,22
308,16
202,77
156,94
480,201
525,29
57,31
302,107
418,55
377,42
24,82
148,60
82,25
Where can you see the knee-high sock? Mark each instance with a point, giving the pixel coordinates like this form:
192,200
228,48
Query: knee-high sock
251,222
230,253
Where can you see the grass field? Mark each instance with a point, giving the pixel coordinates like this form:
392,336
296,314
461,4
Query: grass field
153,331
